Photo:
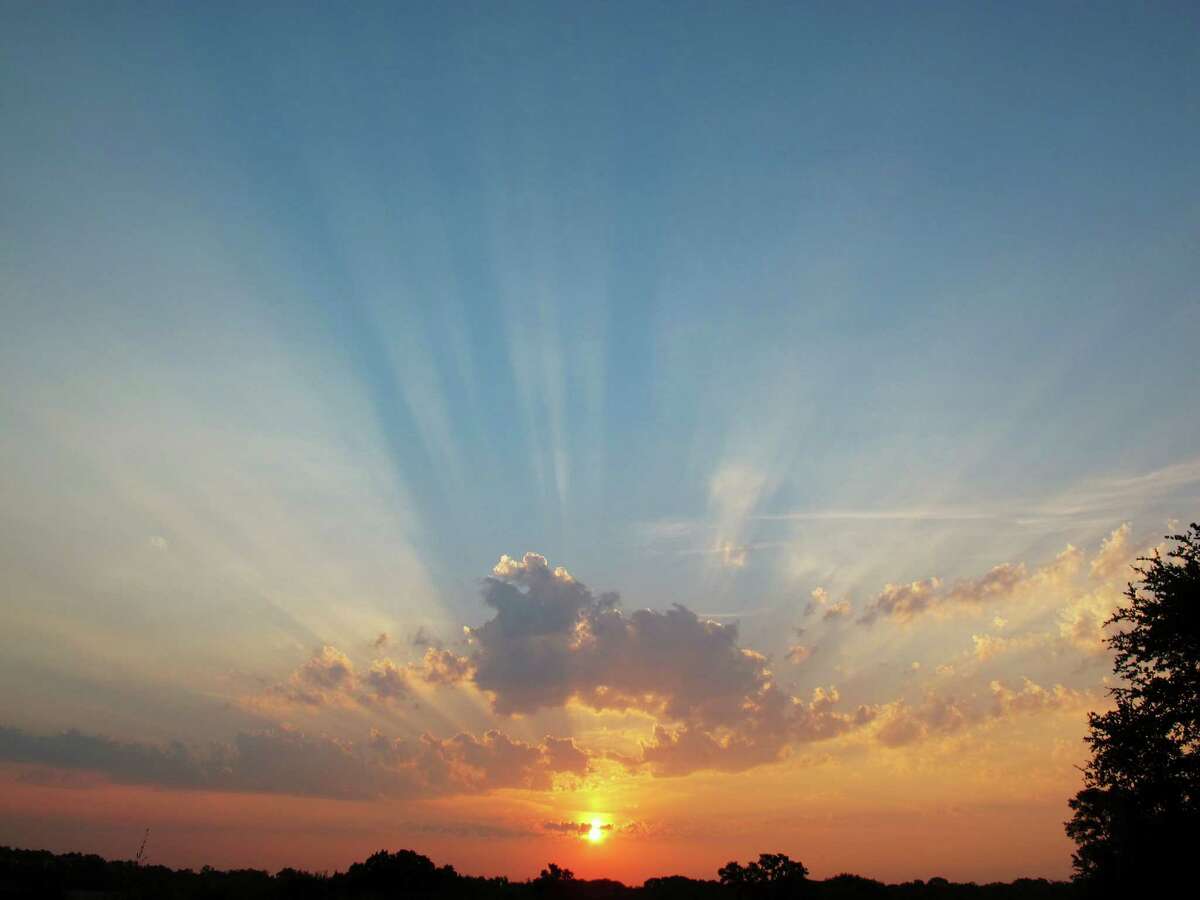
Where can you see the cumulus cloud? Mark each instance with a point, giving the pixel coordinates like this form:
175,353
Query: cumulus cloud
329,677
553,641
798,653
999,584
900,723
779,722
1032,697
903,601
822,603
386,681
1081,622
1115,556
442,667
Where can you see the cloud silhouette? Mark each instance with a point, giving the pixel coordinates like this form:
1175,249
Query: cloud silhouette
288,762
552,641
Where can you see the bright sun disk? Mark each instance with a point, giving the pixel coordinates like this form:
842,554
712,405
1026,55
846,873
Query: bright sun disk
595,833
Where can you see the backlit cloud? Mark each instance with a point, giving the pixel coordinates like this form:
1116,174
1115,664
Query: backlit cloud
717,704
287,762
999,584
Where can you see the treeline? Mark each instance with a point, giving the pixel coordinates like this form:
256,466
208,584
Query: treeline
29,874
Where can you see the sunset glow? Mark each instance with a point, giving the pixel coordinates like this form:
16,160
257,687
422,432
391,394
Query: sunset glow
635,436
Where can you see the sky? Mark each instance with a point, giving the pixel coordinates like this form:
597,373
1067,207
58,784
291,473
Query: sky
632,435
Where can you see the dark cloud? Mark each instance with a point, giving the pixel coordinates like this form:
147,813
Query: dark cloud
552,641
287,762
272,761
467,764
386,681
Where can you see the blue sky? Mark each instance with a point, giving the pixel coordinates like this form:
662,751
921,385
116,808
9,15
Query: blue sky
311,313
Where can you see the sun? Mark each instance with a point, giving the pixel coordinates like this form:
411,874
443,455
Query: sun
595,834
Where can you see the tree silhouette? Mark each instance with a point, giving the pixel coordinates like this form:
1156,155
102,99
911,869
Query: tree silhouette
1138,815
774,875
552,872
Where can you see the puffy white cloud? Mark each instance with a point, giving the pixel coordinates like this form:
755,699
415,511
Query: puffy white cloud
1115,556
1081,621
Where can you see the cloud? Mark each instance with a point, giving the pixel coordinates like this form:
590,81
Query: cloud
900,723
990,646
552,641
903,601
1114,556
821,602
779,723
271,761
386,681
998,585
1032,697
798,653
287,762
1081,622
421,638
572,827
467,764
330,669
442,667
329,677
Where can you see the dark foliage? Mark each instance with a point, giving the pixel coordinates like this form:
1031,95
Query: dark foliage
29,874
1137,819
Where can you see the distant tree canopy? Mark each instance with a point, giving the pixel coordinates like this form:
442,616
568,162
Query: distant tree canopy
405,875
1138,815
774,875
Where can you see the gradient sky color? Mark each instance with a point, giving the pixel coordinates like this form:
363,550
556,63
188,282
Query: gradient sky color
853,345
